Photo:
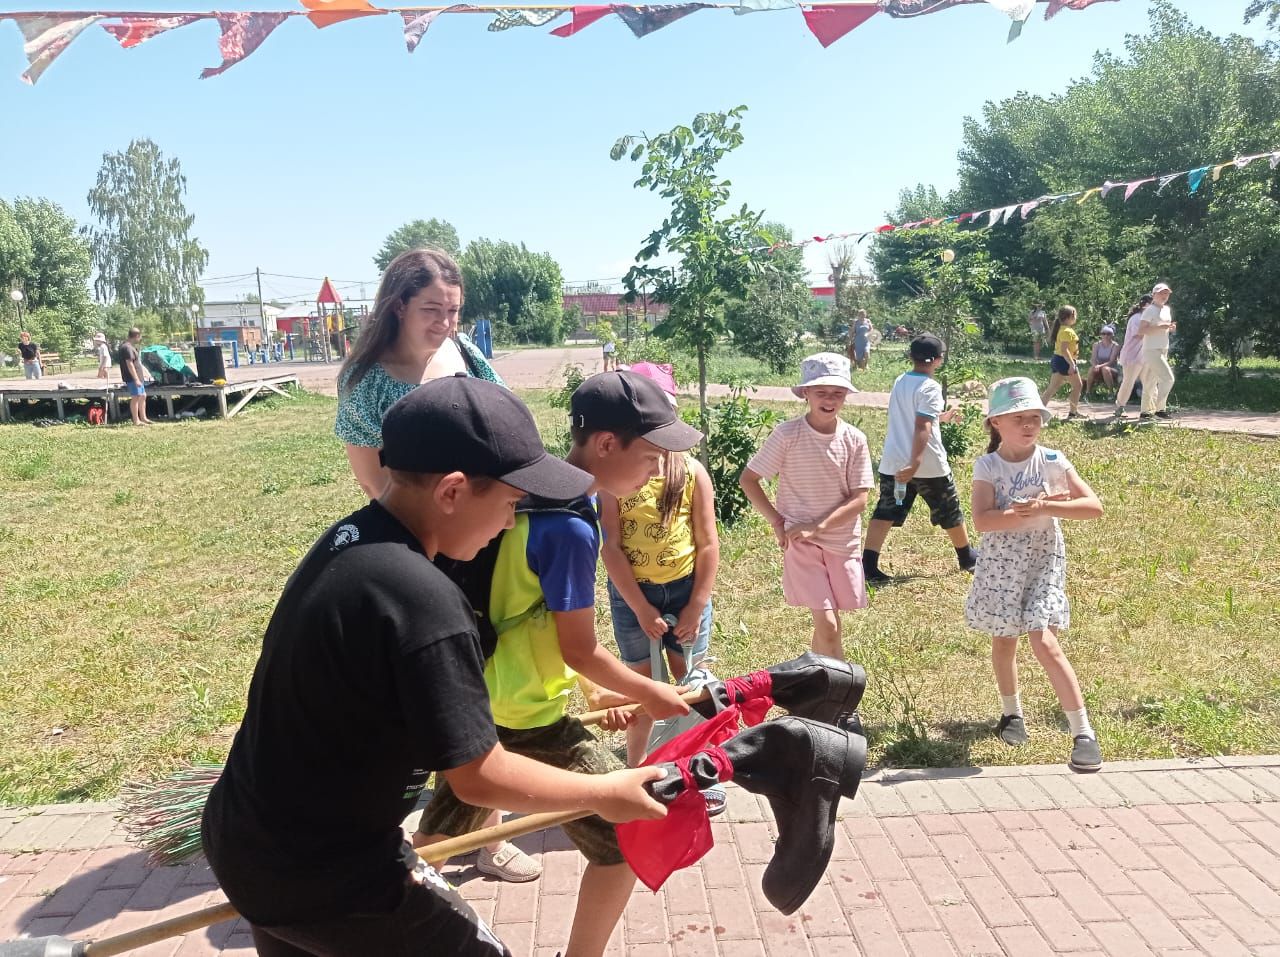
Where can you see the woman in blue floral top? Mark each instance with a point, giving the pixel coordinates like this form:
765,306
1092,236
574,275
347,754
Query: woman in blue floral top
411,338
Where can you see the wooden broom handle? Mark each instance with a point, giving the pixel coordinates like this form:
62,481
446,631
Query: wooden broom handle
454,846
595,717
434,853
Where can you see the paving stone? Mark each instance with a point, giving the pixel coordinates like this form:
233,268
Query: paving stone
1241,918
1059,926
877,936
1079,893
1214,938
969,931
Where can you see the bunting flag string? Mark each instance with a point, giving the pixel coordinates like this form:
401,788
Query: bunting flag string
1004,215
242,33
47,34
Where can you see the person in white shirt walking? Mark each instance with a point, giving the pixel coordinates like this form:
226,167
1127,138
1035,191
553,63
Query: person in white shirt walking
1157,378
1131,354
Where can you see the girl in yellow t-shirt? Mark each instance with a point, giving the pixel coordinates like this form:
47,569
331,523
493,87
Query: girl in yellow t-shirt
661,551
1066,348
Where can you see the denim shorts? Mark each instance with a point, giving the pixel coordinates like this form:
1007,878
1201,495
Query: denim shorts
136,388
670,599
1060,365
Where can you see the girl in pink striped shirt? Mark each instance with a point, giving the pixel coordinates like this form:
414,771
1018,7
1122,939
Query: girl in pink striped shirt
824,474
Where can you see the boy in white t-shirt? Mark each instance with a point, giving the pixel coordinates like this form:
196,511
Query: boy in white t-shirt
913,454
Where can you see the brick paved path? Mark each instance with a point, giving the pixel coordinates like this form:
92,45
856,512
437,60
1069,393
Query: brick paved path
1165,857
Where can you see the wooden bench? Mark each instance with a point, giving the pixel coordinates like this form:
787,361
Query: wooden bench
50,361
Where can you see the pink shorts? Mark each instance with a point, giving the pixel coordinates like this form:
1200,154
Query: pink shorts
814,577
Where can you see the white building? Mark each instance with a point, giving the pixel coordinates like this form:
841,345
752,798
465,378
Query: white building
237,320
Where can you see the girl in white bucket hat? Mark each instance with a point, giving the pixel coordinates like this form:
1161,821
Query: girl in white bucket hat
1020,491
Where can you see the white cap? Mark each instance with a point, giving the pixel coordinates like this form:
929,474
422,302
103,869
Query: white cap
1160,287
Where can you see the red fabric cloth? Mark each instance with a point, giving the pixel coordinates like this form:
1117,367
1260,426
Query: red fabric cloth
829,24
657,849
754,691
583,17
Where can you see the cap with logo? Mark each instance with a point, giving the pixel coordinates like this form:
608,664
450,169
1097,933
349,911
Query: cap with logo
630,404
478,428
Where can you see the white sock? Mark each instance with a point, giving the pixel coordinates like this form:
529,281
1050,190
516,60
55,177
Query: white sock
1079,721
1011,703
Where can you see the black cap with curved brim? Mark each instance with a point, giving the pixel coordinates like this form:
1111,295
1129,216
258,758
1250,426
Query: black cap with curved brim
631,404
480,429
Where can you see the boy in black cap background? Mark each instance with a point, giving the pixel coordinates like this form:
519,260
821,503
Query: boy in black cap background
542,606
913,456
370,677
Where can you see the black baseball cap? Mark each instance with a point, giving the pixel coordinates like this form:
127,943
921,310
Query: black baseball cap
926,347
629,403
480,429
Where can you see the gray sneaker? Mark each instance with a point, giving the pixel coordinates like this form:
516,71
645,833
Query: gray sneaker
1086,756
1012,730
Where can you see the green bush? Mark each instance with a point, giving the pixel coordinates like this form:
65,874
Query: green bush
736,430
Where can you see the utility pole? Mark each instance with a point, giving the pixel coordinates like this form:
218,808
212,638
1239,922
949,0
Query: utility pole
262,312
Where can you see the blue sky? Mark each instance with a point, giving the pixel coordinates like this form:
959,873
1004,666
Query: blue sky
303,157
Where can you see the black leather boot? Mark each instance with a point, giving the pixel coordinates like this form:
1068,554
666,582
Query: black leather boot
811,686
803,767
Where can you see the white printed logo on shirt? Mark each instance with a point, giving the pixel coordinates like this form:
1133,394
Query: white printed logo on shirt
344,536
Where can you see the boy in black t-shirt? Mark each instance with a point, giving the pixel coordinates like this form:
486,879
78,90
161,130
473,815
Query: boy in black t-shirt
370,678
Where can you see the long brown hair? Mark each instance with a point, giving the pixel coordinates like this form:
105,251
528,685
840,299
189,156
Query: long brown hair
409,273
675,474
1064,313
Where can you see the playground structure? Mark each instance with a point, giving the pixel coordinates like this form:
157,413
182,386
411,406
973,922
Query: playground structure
320,330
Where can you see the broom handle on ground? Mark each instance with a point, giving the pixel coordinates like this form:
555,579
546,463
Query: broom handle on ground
689,697
184,923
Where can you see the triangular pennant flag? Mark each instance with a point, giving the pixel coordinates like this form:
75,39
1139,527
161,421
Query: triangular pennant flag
242,33
755,6
325,13
1217,170
1165,181
965,217
1196,177
1008,212
650,18
416,24
1015,29
1275,159
1108,186
886,228
1028,208
1056,6
1131,188
46,35
131,31
1242,161
829,24
902,9
1087,194
1015,9
510,17
583,17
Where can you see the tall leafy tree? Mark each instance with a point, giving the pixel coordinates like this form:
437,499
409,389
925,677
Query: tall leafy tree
1268,8
414,235
43,255
1176,98
717,252
143,249
520,291
768,321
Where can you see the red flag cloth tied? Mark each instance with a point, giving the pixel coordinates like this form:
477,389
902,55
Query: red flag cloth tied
657,849
830,23
755,693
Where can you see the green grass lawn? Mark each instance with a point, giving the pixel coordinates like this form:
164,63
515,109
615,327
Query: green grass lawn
140,566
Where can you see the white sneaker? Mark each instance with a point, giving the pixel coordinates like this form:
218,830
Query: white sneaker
508,863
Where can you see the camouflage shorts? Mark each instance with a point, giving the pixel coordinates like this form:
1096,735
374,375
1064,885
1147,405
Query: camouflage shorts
938,493
565,744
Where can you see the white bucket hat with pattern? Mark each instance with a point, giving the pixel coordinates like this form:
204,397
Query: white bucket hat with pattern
824,368
1016,394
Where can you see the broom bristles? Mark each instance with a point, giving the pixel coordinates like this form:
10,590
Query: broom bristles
163,817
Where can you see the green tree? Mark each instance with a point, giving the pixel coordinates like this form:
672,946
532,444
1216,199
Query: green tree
143,248
1269,8
415,235
768,321
1178,97
42,255
518,290
717,253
